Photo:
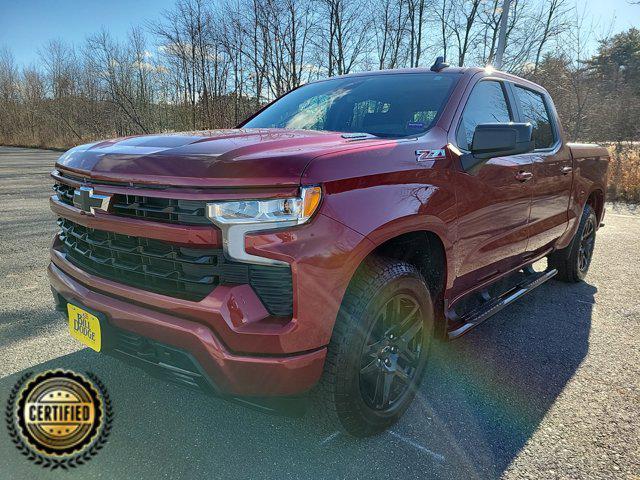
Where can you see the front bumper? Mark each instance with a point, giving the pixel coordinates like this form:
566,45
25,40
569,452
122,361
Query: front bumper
236,345
165,342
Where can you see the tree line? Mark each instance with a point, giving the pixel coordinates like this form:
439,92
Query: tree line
209,64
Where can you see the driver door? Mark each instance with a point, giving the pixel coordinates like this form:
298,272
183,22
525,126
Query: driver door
494,201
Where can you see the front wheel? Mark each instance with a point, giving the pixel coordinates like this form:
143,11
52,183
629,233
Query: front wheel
573,261
378,351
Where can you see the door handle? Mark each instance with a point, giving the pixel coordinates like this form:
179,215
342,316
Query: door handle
566,170
523,176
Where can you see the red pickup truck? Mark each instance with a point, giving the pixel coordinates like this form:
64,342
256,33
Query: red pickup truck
326,242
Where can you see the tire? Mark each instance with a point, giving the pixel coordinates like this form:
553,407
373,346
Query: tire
379,300
573,261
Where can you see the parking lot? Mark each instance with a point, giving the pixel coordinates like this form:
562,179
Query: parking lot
548,388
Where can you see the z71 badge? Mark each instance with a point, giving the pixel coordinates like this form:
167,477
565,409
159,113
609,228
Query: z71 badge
424,155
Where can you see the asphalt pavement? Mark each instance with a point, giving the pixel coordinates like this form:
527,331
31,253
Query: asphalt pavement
547,388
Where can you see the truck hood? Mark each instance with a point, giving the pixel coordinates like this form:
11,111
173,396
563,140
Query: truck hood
221,158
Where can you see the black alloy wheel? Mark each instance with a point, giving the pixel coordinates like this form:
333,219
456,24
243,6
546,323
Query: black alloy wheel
390,355
379,349
573,261
587,242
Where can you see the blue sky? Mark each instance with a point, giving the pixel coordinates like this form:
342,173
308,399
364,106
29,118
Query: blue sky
25,25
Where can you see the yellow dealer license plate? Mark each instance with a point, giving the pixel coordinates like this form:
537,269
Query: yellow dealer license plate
84,327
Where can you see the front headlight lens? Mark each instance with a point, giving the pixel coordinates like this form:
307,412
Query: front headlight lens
298,209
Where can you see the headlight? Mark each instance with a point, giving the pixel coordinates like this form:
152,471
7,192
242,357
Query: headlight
297,209
236,218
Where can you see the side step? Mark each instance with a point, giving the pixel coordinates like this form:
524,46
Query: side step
493,305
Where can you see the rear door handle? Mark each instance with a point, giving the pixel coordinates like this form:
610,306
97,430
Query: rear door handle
523,176
566,170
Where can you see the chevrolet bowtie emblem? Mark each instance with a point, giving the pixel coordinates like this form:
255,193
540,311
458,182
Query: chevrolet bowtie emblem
87,201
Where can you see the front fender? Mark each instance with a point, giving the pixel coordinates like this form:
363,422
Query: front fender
384,211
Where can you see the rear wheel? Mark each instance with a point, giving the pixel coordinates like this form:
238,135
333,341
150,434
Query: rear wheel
573,261
378,351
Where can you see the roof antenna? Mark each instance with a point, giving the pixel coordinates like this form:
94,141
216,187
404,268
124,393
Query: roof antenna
439,64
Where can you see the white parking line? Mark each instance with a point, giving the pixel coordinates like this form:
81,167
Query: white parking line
329,438
436,456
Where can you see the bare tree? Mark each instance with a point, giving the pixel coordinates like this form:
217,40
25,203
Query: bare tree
554,13
489,17
206,64
461,23
443,14
416,10
116,68
32,96
390,26
345,34
9,95
185,35
61,72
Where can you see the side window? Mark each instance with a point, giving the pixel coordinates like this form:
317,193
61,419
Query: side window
487,104
534,110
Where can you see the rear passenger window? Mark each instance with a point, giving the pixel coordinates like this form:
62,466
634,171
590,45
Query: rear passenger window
534,110
487,104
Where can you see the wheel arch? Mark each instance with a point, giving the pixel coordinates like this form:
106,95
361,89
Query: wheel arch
596,201
427,251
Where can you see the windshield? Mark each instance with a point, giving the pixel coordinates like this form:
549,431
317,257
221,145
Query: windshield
395,105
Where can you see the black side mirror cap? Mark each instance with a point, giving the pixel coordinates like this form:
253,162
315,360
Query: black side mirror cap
498,140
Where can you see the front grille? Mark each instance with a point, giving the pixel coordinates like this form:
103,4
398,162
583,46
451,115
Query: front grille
141,262
188,212
166,210
173,270
64,192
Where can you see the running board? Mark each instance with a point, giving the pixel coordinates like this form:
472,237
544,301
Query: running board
475,317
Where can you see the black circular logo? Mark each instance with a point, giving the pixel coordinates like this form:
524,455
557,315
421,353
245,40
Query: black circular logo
59,418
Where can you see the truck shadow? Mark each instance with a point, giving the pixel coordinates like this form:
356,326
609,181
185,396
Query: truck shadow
490,391
482,400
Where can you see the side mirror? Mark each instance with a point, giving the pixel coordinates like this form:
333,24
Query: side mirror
497,140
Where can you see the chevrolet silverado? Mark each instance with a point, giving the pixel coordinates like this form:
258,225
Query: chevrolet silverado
325,243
